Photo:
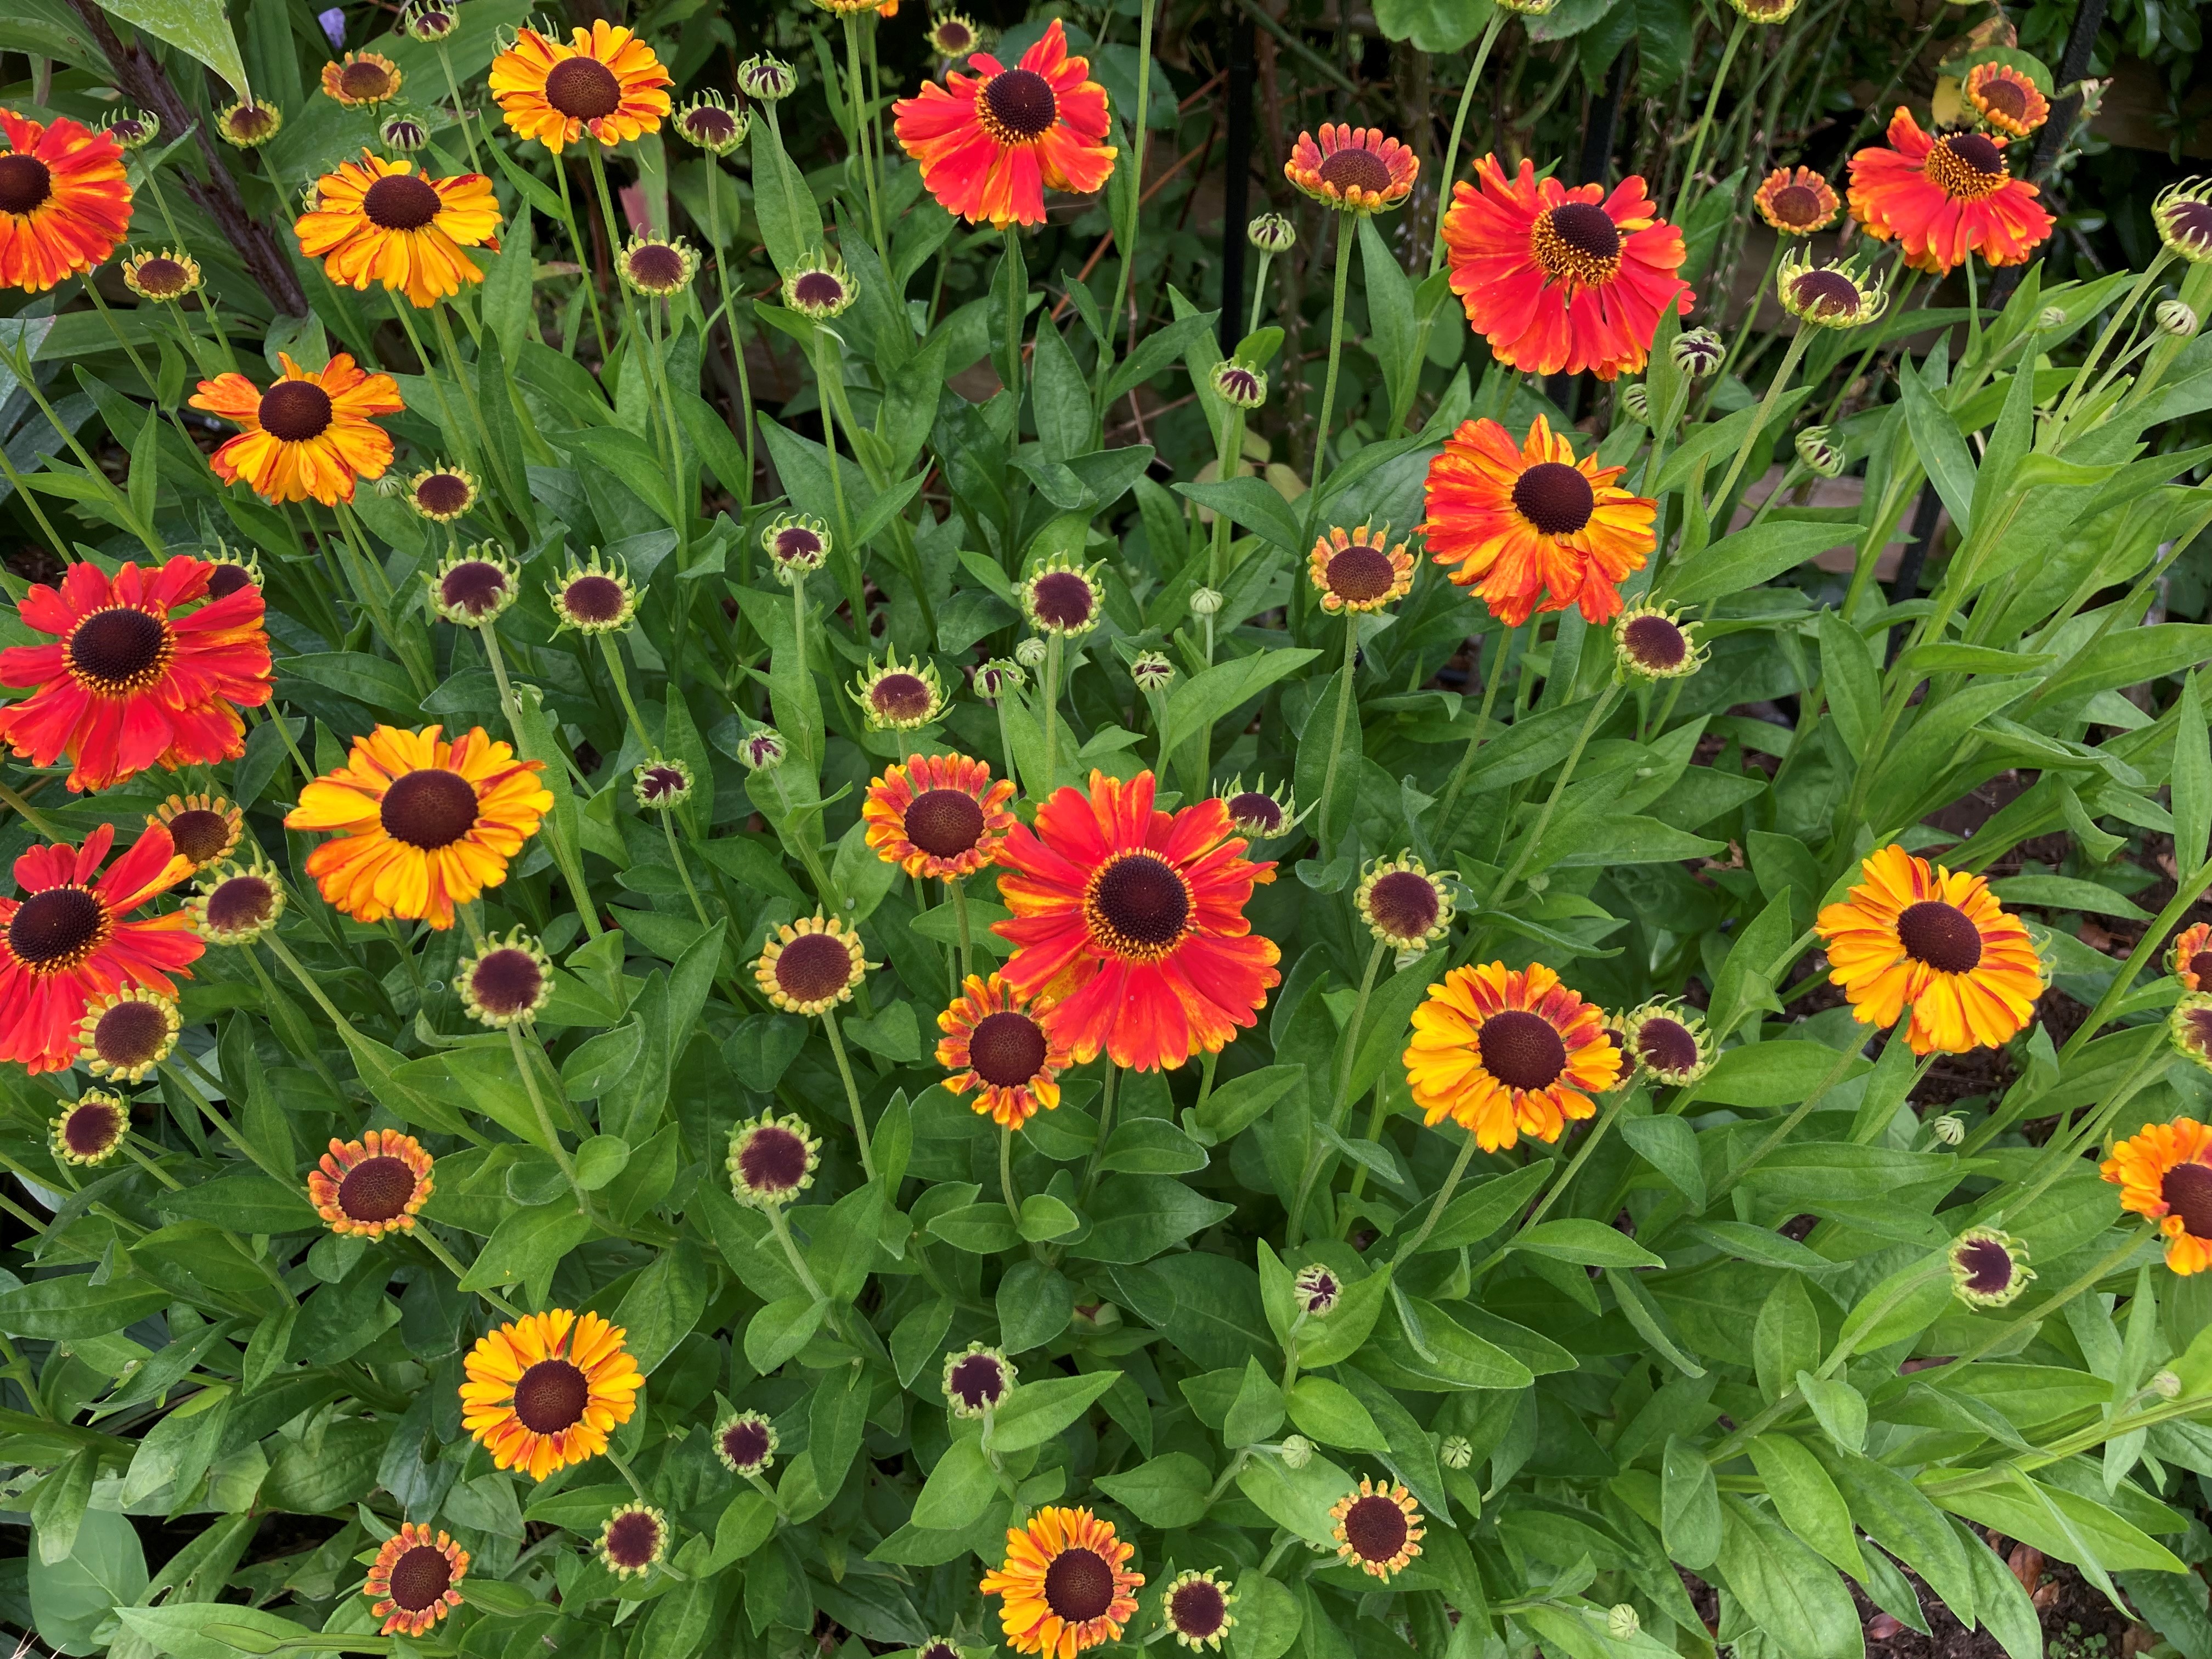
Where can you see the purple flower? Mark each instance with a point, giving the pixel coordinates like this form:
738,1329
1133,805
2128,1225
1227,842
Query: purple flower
333,22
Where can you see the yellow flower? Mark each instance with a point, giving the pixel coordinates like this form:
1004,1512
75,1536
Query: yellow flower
546,1391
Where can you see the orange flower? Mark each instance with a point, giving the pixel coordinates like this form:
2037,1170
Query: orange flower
2189,959
1561,280
309,435
416,1580
373,1186
2005,98
1506,1052
994,1041
379,221
362,78
1131,922
1353,169
990,144
608,83
1064,1583
1795,200
939,815
547,1389
1530,527
2166,1173
1944,198
64,201
1359,569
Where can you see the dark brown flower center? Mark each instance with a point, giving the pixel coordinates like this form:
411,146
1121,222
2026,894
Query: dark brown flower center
25,183
377,1189
428,808
1319,1289
1360,574
1240,384
979,1380
241,902
954,36
227,579
773,1159
1256,813
633,1538
92,1128
1799,207
2189,222
1360,169
551,1396
655,265
473,586
796,542
507,982
1988,1265
1375,1526
120,649
57,929
1022,103
1942,935
901,696
1405,905
594,598
1554,498
401,201
1578,240
1666,1045
1521,1049
1967,165
746,1443
938,1650
660,782
707,127
363,81
2004,97
1063,599
2187,1190
444,494
1825,293
199,834
1078,1585
1978,152
945,823
1654,642
1007,1048
583,88
161,276
295,410
814,967
250,122
1196,1609
819,290
132,1034
421,1576
1138,905
2201,965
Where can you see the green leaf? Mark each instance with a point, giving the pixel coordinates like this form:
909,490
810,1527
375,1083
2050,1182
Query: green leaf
1251,502
1786,1341
1395,339
1585,1244
1939,448
599,1160
1035,1304
1690,1505
1256,1412
57,1506
1480,1210
198,28
1807,1500
1038,1411
213,1630
1298,1499
1045,1218
1331,1413
71,1307
527,1248
1839,1407
1134,1217
1335,1338
1747,559
1669,1145
381,685
790,222
1853,684
1168,1491
104,1570
1786,1589
1244,1100
781,1329
1195,704
1433,26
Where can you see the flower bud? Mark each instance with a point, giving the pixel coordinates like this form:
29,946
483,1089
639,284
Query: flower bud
1270,233
1621,1623
1457,1451
766,79
1239,384
1030,652
2175,319
1204,602
1950,1128
1298,1452
761,751
1152,671
998,676
2050,318
2165,1385
404,134
1636,402
1822,455
1697,352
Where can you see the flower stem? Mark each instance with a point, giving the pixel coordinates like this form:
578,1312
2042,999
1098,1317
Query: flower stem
1443,1197
1340,1105
1686,192
584,275
852,1092
30,814
461,115
1105,1129
864,116
445,1259
613,654
1459,127
1052,650
1335,351
1599,710
1007,1173
546,1118
744,486
1495,678
959,890
1336,732
1775,388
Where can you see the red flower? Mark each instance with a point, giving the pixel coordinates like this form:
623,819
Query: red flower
64,941
128,683
989,143
64,202
1131,922
1944,198
1561,280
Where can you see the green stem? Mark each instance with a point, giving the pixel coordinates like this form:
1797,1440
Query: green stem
445,1258
1052,650
1443,1197
959,892
1341,1102
30,815
613,654
1007,1173
173,1069
863,114
780,1227
1336,732
852,1093
1495,678
1775,388
1686,193
524,1065
584,276
1105,1129
1557,1188
461,115
1459,127
1344,234
1599,710
676,854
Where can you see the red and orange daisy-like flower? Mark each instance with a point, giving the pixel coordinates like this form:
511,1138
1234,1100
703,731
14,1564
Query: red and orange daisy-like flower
373,1186
129,684
1530,527
1560,280
1353,169
376,221
1795,200
2166,1173
416,1580
67,939
2005,98
2190,957
939,815
989,143
607,82
1943,198
65,203
1131,923
1065,1583
310,435
1506,1052
996,1045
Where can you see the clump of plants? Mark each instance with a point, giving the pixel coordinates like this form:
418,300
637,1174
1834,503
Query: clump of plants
693,967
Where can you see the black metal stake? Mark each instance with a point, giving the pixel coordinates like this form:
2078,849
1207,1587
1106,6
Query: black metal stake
1236,195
